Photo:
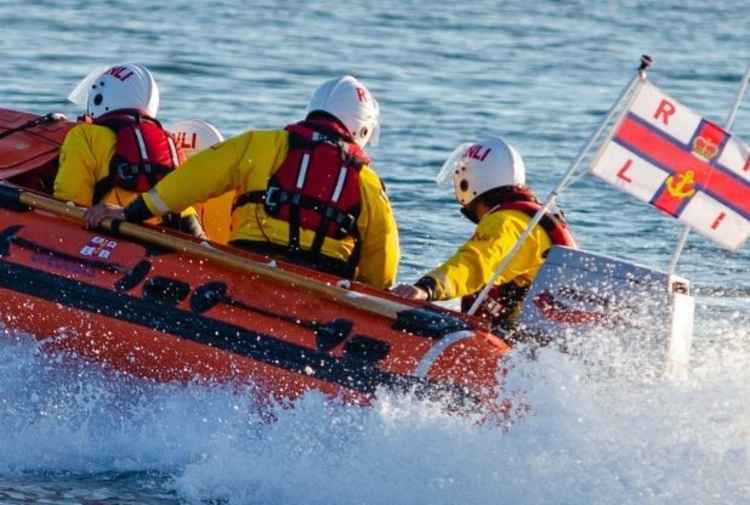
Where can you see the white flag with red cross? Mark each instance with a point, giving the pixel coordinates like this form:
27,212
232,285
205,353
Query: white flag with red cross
681,163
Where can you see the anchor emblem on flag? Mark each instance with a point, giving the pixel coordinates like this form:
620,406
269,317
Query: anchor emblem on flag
683,187
681,163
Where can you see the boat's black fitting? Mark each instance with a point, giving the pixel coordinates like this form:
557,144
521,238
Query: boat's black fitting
165,290
366,351
207,296
10,198
428,323
6,237
329,335
133,277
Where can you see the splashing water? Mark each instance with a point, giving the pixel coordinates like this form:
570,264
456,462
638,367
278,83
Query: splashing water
603,428
584,439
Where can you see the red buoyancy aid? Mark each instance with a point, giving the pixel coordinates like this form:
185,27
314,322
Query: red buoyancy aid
144,153
316,187
503,298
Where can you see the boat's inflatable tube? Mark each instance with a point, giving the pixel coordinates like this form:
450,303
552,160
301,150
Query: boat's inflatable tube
168,315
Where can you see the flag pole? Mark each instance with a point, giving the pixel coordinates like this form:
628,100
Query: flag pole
552,198
728,125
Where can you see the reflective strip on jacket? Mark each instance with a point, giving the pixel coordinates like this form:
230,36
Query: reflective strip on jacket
473,265
245,163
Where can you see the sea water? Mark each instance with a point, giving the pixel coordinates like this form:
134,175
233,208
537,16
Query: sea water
541,74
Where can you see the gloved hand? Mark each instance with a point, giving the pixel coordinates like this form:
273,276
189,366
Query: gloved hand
410,292
96,214
189,224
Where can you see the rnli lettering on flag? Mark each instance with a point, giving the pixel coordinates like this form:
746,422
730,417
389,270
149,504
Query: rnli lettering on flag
667,155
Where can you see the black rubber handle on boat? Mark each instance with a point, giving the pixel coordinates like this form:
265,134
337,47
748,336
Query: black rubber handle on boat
47,118
10,198
328,335
428,323
6,238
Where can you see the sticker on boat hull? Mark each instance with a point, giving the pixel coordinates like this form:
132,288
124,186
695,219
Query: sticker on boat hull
98,247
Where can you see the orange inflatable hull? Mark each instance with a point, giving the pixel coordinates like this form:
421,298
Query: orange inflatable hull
169,316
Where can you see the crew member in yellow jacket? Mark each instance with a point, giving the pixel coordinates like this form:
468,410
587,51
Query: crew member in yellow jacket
305,194
489,181
119,149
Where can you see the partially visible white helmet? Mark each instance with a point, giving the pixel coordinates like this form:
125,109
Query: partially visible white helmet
349,101
478,167
194,135
128,86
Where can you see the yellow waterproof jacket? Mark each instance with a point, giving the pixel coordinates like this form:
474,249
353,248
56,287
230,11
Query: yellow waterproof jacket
473,265
85,156
246,163
84,160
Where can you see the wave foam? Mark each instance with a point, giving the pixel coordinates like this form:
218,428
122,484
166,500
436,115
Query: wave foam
589,437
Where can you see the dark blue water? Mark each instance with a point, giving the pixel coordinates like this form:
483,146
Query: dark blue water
541,74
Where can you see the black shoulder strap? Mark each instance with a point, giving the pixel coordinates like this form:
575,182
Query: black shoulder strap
103,187
294,222
249,197
328,214
354,257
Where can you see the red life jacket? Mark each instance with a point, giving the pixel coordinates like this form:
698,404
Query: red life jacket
144,153
316,188
503,298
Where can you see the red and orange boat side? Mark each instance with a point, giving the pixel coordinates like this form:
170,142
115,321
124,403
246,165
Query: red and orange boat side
169,315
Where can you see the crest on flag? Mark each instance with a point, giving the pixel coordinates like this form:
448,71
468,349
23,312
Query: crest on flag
681,163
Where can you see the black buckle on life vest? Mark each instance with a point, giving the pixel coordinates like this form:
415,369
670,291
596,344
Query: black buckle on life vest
345,222
126,176
126,171
272,199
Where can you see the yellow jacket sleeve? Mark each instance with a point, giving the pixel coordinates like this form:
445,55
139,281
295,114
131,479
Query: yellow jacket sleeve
84,159
208,174
379,258
473,265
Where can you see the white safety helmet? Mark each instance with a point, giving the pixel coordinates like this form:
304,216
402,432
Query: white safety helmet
128,86
478,167
349,101
194,135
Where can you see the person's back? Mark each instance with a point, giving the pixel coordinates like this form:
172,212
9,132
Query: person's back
114,100
306,193
489,182
84,159
118,149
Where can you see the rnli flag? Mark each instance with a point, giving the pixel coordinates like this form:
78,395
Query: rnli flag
681,163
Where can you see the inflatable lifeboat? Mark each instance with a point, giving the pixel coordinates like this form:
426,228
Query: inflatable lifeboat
164,306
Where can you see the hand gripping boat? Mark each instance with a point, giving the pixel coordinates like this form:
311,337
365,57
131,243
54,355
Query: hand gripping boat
163,306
